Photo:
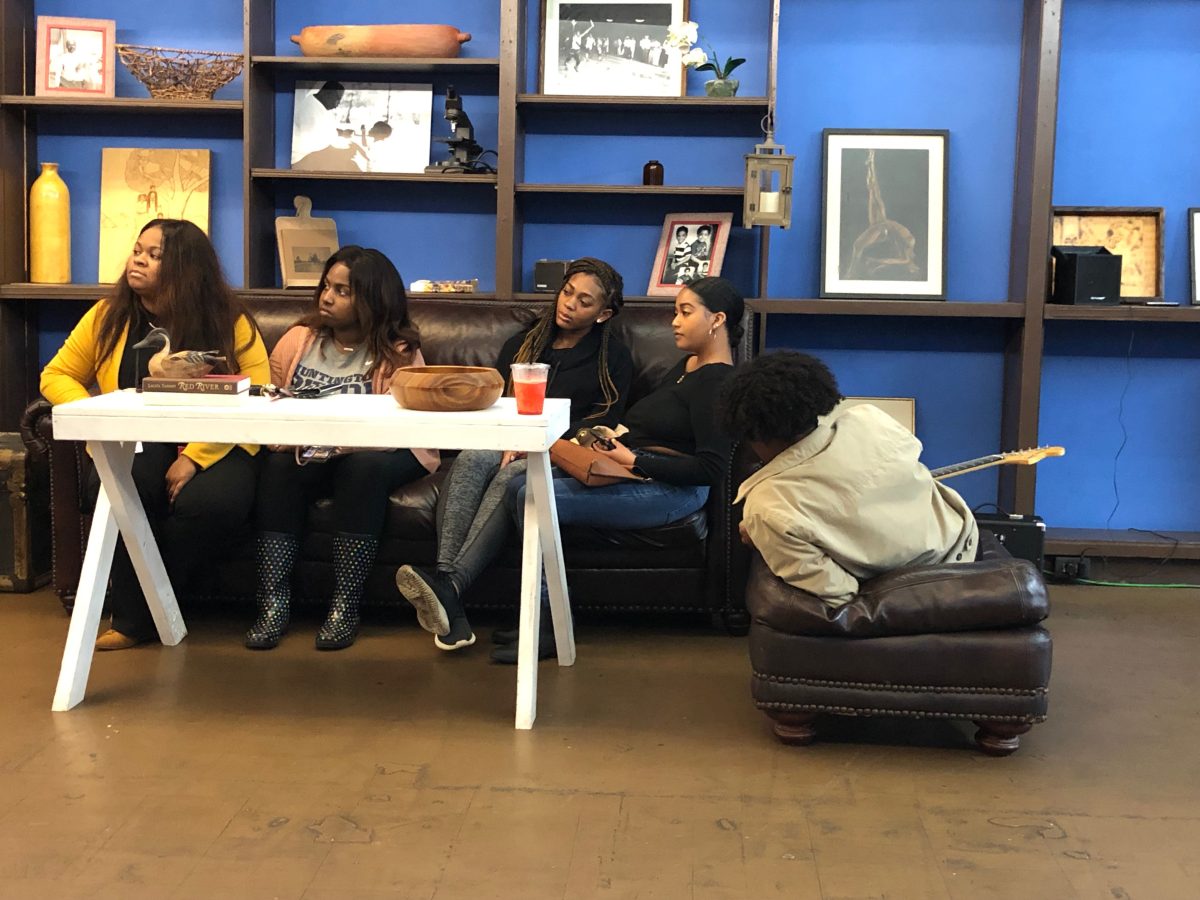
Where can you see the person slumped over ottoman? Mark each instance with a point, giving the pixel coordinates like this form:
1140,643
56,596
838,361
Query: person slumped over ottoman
842,495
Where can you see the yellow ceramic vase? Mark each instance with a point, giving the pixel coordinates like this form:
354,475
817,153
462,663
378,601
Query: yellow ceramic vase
49,228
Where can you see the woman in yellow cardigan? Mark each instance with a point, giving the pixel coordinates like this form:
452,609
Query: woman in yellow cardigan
195,495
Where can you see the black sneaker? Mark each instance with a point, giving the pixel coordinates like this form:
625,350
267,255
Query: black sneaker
506,635
429,592
506,654
460,635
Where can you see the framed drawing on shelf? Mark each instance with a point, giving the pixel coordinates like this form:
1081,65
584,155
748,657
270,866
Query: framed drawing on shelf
75,57
137,185
305,243
361,126
1194,252
692,245
883,214
598,48
1135,233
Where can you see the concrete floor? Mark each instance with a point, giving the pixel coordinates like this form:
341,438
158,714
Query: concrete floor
392,770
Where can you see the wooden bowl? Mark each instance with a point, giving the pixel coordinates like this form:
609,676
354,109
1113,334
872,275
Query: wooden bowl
436,41
447,388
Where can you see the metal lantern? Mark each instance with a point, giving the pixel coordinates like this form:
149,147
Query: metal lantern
768,186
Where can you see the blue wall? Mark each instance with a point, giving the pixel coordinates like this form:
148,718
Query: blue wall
1128,68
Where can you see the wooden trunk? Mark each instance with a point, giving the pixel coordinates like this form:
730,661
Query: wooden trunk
24,517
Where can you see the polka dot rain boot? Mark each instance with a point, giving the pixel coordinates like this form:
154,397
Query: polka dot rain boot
353,556
276,558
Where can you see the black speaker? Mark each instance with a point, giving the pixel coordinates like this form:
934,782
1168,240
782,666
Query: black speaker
1022,536
548,274
1086,275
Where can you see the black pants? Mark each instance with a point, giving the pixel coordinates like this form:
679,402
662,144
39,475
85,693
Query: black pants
359,482
209,511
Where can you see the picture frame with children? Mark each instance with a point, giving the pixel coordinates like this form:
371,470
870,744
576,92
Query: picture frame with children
692,245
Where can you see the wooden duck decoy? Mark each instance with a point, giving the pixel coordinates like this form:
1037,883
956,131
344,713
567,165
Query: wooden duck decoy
177,364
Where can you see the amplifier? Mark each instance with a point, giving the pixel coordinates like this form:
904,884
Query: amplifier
1022,536
548,274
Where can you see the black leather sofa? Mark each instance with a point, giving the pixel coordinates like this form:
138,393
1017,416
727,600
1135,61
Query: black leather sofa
694,567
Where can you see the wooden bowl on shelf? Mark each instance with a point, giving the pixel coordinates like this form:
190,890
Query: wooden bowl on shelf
435,41
447,388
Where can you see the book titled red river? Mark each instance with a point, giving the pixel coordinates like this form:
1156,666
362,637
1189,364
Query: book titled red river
215,390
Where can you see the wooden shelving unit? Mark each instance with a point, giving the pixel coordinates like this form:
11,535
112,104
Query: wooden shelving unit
925,308
1126,544
1125,313
302,175
375,64
673,190
109,106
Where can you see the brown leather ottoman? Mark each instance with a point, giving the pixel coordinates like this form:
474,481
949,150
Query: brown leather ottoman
955,641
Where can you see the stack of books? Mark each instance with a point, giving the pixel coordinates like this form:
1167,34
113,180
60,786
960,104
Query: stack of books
208,390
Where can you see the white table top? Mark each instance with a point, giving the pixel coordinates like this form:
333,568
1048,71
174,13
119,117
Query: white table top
345,420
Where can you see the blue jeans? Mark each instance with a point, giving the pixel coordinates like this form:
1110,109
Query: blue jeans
629,505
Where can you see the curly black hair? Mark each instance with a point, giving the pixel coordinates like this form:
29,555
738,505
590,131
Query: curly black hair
778,396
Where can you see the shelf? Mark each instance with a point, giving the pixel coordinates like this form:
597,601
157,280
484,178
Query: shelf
376,63
670,190
122,105
1128,544
950,309
1125,313
710,105
275,293
300,174
27,291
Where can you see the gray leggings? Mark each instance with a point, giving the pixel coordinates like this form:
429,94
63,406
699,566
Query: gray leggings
472,521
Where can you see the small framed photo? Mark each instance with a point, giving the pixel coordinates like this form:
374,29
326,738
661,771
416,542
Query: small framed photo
599,48
1134,233
692,246
883,214
76,57
1194,252
303,252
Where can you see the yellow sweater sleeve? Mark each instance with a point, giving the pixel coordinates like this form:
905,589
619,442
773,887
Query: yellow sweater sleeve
252,361
72,371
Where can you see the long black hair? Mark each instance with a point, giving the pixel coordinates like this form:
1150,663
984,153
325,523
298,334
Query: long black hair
542,334
197,307
380,304
720,295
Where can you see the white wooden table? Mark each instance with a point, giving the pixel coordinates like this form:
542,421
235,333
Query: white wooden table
112,424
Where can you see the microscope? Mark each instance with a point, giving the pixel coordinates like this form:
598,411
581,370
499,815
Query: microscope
464,152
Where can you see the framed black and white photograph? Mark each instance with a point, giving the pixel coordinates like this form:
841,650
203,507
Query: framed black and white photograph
883,214
692,245
1194,252
75,57
361,126
591,49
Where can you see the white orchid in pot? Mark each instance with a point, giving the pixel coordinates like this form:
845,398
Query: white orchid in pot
685,35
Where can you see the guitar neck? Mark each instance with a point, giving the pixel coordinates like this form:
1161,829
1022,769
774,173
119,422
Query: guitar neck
968,465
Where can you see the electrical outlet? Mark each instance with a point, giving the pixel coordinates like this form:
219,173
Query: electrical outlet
1073,566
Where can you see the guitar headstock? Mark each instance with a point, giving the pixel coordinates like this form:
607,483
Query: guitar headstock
1033,455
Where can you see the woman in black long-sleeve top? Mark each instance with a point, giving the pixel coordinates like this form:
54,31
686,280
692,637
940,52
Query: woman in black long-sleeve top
674,437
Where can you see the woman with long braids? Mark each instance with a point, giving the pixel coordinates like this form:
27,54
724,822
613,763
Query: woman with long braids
356,337
589,367
674,439
192,496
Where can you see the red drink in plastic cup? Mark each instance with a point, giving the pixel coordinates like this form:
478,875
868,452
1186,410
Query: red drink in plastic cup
529,387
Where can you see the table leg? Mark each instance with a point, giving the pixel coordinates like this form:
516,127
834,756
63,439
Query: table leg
89,601
115,469
541,534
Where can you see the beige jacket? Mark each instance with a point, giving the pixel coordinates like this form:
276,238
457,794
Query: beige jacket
851,501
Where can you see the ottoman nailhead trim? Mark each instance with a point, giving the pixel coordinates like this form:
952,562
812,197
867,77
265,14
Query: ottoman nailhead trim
908,713
923,688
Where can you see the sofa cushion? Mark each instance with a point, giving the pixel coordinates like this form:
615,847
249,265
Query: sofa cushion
990,593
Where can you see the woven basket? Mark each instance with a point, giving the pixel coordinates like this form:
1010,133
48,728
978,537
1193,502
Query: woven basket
175,74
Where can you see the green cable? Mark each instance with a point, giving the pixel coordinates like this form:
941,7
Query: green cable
1130,584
